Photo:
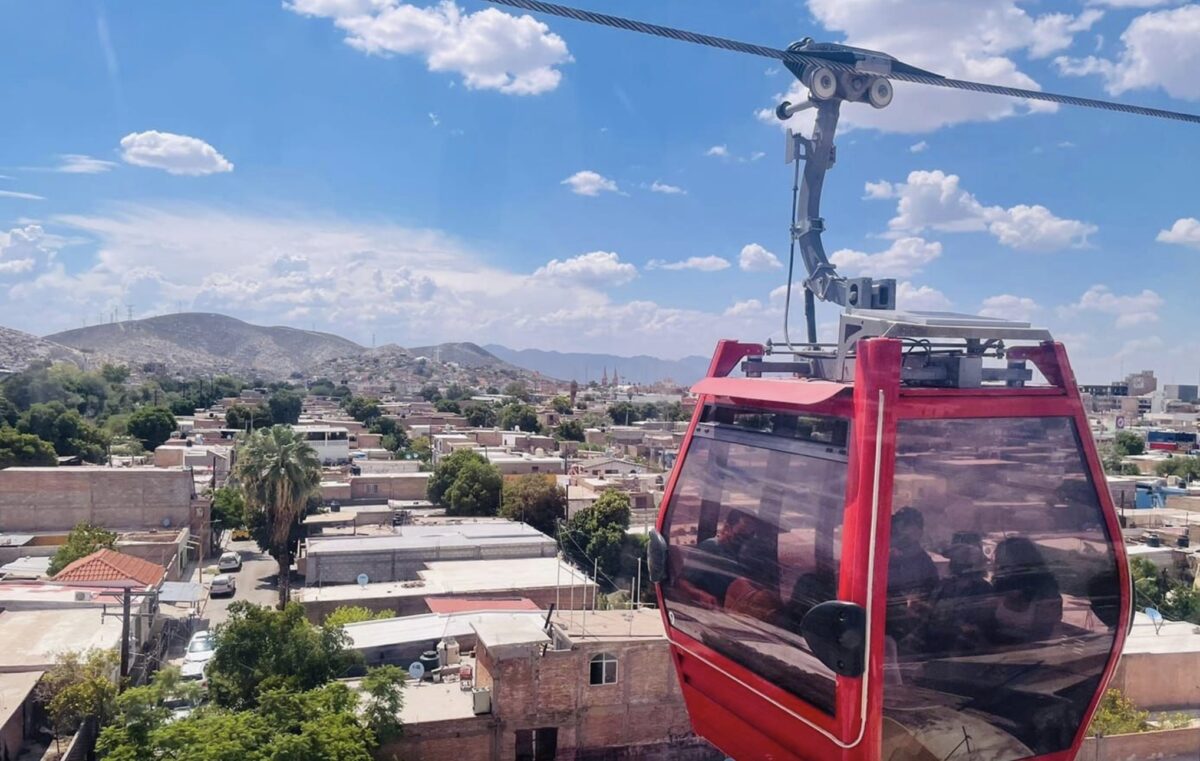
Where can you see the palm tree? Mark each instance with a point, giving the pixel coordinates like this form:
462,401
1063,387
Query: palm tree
278,472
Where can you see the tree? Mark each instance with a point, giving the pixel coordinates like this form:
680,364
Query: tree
423,450
229,507
1184,466
242,417
285,406
385,697
624,413
476,490
480,415
536,500
430,392
519,391
570,430
114,374
458,393
82,541
18,448
597,533
561,405
520,417
152,426
261,649
66,430
79,687
363,409
278,471
1127,443
465,484
447,405
353,614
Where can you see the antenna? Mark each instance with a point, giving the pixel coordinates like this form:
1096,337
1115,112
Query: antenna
129,312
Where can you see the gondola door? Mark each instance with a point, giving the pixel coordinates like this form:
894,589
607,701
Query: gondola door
770,546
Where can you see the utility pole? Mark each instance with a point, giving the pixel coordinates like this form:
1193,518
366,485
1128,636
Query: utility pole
124,634
129,312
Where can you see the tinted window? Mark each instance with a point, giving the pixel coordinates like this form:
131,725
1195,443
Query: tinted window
1002,588
754,528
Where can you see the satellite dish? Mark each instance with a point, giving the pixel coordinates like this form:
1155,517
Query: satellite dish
362,579
416,670
1155,618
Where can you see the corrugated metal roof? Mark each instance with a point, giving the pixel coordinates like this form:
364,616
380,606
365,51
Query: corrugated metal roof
464,605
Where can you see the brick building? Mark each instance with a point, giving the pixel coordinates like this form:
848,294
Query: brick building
594,689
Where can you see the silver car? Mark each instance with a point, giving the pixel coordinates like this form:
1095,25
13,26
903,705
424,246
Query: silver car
222,584
229,561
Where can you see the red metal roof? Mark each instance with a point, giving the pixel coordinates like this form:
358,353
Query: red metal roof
110,565
779,391
466,604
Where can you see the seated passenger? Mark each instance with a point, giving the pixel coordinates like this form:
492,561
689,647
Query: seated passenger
755,594
681,586
715,566
1029,603
912,575
960,608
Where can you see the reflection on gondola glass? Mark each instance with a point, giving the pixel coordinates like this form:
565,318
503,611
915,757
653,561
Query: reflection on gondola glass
754,533
1002,590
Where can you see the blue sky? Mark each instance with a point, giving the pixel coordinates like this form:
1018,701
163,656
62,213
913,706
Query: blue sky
431,171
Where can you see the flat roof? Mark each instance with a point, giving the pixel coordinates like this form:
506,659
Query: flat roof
470,604
500,632
33,638
456,577
428,627
446,701
442,535
611,625
1171,637
14,691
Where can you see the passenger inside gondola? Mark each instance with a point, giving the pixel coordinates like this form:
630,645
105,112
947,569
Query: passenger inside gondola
912,576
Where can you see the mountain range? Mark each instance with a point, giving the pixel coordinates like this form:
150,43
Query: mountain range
197,342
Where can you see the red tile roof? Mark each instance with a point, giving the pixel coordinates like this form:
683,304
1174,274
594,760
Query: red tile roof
465,604
110,565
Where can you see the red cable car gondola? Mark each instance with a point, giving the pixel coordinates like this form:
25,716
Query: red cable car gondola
900,546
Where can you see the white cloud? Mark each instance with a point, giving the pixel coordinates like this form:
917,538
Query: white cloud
589,183
918,147
756,155
433,119
699,263
78,163
744,308
22,247
720,151
936,200
1131,3
1135,309
979,40
1159,49
24,196
755,258
921,298
596,268
490,49
1009,307
176,154
662,187
904,257
1185,232
1137,346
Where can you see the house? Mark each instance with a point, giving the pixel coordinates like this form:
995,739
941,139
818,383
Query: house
109,568
332,443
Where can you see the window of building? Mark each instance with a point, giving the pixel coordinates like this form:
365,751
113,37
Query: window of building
604,669
1002,586
754,530
537,744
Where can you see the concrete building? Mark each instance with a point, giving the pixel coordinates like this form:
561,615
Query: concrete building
17,714
49,500
520,463
1140,383
398,556
400,641
1183,393
596,689
380,487
332,443
545,581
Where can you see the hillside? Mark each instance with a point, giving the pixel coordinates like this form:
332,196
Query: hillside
199,342
465,354
585,367
18,350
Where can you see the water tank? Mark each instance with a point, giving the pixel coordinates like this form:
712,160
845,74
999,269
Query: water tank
483,701
447,651
1153,540
1181,540
429,659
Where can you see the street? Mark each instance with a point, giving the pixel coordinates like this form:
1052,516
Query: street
255,582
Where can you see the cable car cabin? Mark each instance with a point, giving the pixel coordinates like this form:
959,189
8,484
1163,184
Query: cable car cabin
892,551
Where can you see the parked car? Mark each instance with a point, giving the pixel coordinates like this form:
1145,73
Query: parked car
240,535
222,584
180,707
229,561
200,647
193,671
